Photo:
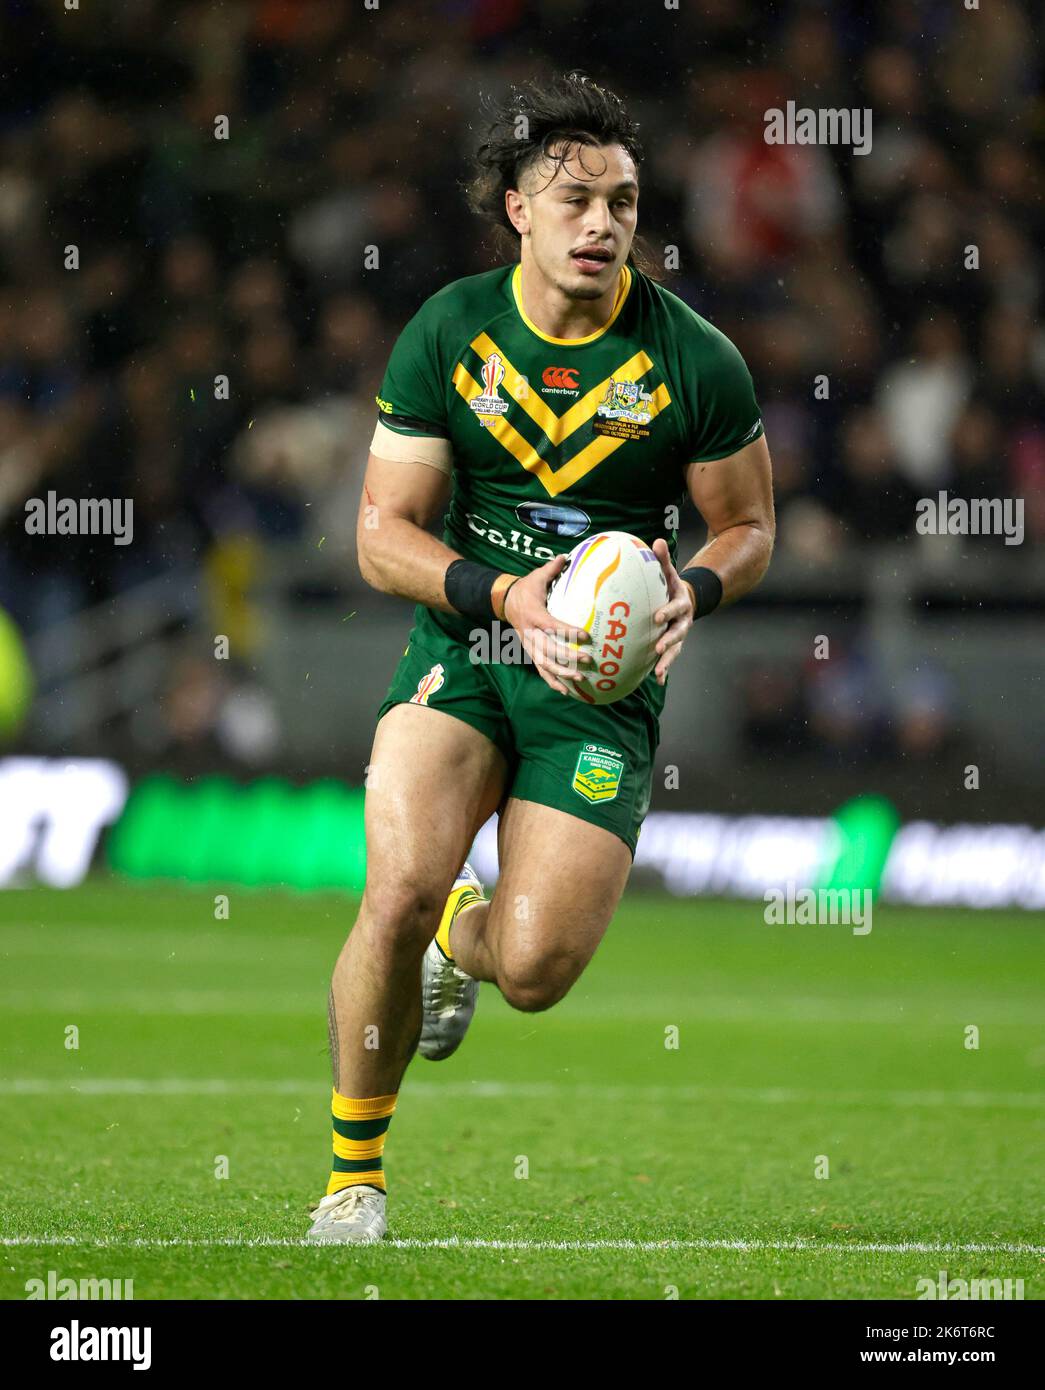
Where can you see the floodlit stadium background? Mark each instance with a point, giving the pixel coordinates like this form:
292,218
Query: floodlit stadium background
916,747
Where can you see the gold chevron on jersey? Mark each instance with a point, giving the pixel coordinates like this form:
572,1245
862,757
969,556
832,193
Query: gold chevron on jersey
556,429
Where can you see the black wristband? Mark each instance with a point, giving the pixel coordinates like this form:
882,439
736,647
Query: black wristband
467,587
707,589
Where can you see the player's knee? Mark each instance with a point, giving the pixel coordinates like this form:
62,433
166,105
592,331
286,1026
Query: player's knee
403,916
536,983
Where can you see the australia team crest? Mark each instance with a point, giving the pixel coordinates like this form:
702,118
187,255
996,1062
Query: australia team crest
598,773
625,411
626,400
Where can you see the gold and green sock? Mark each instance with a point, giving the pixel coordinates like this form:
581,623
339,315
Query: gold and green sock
458,900
359,1140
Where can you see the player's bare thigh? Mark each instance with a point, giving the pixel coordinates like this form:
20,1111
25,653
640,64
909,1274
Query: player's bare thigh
432,781
560,881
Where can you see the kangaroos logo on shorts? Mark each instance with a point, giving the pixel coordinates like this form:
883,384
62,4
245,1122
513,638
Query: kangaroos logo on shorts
598,772
428,685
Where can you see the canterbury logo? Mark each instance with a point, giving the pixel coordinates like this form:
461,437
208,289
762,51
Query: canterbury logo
562,377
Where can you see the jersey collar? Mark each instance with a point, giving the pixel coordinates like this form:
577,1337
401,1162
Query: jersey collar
624,284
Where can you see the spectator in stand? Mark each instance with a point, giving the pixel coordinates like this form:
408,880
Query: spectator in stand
247,257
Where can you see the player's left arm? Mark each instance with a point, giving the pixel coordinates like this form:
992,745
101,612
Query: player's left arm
735,497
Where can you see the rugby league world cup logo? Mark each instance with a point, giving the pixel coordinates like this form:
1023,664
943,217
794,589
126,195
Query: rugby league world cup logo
489,405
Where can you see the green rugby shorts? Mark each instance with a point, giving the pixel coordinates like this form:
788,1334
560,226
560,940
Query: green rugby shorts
591,761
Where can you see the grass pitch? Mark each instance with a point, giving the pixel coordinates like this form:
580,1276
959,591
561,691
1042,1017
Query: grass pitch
651,1168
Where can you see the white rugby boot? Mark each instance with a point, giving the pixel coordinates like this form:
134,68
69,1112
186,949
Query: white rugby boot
448,995
353,1216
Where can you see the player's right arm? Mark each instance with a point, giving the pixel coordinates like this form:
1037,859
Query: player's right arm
406,488
399,555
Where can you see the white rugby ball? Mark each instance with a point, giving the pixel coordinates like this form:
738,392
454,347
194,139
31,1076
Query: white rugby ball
612,587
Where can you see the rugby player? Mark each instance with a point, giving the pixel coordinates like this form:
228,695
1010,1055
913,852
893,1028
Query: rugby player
560,395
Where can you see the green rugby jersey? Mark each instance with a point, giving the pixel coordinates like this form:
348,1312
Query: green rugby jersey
554,439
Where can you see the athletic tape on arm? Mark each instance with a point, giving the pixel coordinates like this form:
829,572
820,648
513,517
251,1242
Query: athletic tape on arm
411,448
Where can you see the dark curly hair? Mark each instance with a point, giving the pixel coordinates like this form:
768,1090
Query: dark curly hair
557,116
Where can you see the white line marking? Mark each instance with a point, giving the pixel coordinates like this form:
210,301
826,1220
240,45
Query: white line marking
161,1086
920,1247
530,1090
296,1002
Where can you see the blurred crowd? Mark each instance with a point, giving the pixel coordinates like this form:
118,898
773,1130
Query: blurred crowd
199,258
844,713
